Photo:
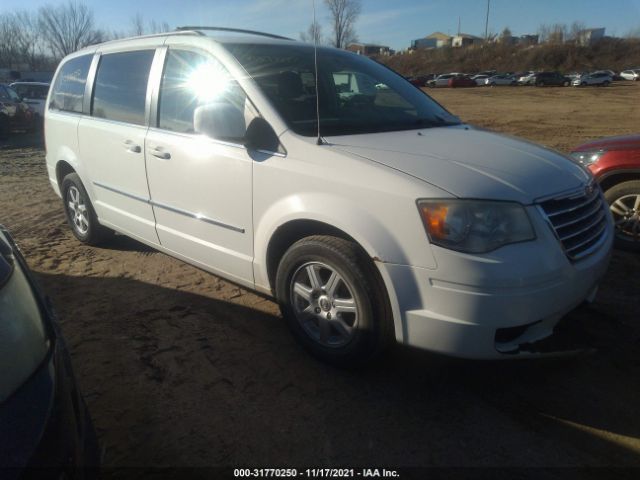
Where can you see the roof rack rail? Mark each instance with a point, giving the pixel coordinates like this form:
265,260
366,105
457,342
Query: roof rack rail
236,30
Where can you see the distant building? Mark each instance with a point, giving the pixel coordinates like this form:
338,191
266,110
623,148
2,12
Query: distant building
369,49
528,40
465,40
589,36
435,40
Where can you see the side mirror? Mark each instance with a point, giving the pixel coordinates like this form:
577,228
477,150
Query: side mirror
221,121
261,136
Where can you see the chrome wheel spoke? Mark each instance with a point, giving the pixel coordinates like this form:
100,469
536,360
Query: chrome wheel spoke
620,208
332,284
302,291
636,205
344,305
314,278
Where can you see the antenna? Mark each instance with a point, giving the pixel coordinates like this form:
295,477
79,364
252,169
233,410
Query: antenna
315,66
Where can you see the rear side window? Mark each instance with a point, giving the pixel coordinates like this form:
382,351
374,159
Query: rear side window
120,87
68,90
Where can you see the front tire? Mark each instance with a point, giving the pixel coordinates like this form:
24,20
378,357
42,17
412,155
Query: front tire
624,203
333,300
80,214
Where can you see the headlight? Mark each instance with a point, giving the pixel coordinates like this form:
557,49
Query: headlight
24,341
587,158
475,226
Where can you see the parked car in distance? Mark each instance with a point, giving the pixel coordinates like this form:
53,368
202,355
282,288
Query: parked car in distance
427,232
525,78
44,420
614,76
461,81
633,75
543,79
479,79
501,80
615,162
601,79
420,80
14,113
442,80
33,94
488,73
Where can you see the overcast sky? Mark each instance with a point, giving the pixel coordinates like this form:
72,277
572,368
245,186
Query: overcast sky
389,22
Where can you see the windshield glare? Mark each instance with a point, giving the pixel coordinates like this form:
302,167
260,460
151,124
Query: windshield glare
357,95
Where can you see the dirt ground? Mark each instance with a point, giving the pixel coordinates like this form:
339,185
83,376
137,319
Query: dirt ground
180,368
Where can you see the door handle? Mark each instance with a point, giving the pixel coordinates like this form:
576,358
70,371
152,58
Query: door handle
159,152
132,147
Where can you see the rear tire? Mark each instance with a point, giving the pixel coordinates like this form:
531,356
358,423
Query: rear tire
624,203
565,84
605,84
80,214
333,300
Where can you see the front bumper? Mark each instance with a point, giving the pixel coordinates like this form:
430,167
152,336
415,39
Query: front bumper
45,427
496,305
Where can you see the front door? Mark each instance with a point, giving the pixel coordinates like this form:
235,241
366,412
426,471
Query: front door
201,187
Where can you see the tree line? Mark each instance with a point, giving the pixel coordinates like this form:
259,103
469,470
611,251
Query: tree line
38,40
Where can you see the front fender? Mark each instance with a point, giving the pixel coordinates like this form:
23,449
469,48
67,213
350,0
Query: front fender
383,245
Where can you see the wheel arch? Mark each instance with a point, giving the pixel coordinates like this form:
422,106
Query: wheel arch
611,180
294,230
63,168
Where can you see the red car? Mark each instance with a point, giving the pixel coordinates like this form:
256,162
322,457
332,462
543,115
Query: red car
461,81
615,162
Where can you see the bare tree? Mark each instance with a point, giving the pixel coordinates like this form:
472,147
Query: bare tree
557,33
543,32
574,31
137,24
344,14
313,33
155,27
138,27
20,40
68,27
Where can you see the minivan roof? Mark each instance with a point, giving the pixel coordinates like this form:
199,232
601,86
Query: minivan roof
218,34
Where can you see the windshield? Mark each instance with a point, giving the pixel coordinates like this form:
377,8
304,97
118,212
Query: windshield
357,95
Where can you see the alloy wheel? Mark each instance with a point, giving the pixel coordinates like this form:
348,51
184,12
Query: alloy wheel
324,304
77,210
626,216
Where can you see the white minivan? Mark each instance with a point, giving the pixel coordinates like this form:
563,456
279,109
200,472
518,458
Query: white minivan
371,214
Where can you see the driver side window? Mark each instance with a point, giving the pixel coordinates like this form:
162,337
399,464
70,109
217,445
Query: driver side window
190,82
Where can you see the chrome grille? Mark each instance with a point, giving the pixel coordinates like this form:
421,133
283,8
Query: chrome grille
579,221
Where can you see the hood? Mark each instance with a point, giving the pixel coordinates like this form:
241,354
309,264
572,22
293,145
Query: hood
625,142
469,162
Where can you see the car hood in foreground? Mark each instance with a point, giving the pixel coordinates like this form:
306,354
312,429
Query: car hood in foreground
469,162
624,142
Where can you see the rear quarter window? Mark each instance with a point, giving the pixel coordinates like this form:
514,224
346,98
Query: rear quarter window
68,89
120,87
